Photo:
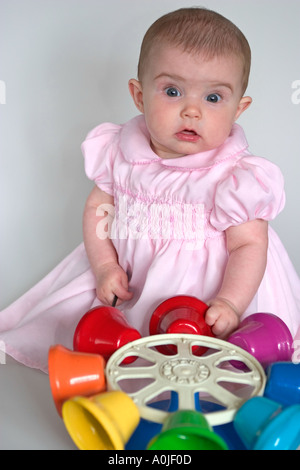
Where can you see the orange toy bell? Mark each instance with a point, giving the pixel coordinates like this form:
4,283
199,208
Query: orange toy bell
74,373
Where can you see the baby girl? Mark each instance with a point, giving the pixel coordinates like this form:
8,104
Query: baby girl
180,206
192,76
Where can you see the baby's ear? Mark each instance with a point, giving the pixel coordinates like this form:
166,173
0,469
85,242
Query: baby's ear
243,105
136,91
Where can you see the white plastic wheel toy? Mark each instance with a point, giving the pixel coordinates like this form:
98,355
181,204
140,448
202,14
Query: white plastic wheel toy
196,369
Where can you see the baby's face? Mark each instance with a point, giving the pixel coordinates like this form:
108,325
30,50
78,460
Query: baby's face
189,103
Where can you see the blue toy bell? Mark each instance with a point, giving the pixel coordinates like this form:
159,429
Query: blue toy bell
263,424
283,384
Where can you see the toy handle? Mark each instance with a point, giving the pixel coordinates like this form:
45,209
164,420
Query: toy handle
114,301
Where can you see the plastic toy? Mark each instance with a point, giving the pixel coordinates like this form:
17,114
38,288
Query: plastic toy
210,377
283,385
186,430
265,336
146,430
103,422
263,425
102,330
214,387
73,373
180,314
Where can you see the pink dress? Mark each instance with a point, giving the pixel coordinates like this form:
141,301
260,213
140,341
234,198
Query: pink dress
170,218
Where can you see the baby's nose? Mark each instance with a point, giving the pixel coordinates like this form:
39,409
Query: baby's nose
191,110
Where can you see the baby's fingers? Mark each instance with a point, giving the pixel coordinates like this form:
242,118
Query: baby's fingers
122,294
218,322
211,316
220,328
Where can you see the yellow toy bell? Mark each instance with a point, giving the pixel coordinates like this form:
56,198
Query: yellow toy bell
103,422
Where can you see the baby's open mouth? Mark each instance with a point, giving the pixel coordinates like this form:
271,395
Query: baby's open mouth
189,132
188,135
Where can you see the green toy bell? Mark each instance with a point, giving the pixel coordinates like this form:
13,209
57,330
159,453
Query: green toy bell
186,430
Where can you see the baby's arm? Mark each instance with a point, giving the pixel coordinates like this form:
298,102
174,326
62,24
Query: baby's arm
247,246
110,277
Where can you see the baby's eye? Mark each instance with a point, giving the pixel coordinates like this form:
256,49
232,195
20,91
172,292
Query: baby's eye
172,92
213,98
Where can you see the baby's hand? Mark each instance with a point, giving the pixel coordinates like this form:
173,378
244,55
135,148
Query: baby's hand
112,281
222,317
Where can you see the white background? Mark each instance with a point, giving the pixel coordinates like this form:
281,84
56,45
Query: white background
65,65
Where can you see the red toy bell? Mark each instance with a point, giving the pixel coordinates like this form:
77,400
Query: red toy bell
103,330
181,314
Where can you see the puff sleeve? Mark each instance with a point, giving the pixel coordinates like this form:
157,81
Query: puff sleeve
99,150
254,189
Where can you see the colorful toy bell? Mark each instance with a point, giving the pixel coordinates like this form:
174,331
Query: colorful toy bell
103,422
283,383
263,424
180,314
74,373
186,430
103,330
265,336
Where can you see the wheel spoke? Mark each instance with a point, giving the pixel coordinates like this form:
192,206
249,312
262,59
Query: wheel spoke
121,373
213,358
146,394
183,348
186,399
225,397
247,378
150,355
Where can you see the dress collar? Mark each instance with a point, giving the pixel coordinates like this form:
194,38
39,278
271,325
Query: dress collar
135,146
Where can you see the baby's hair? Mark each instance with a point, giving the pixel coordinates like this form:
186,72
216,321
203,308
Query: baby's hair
197,31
